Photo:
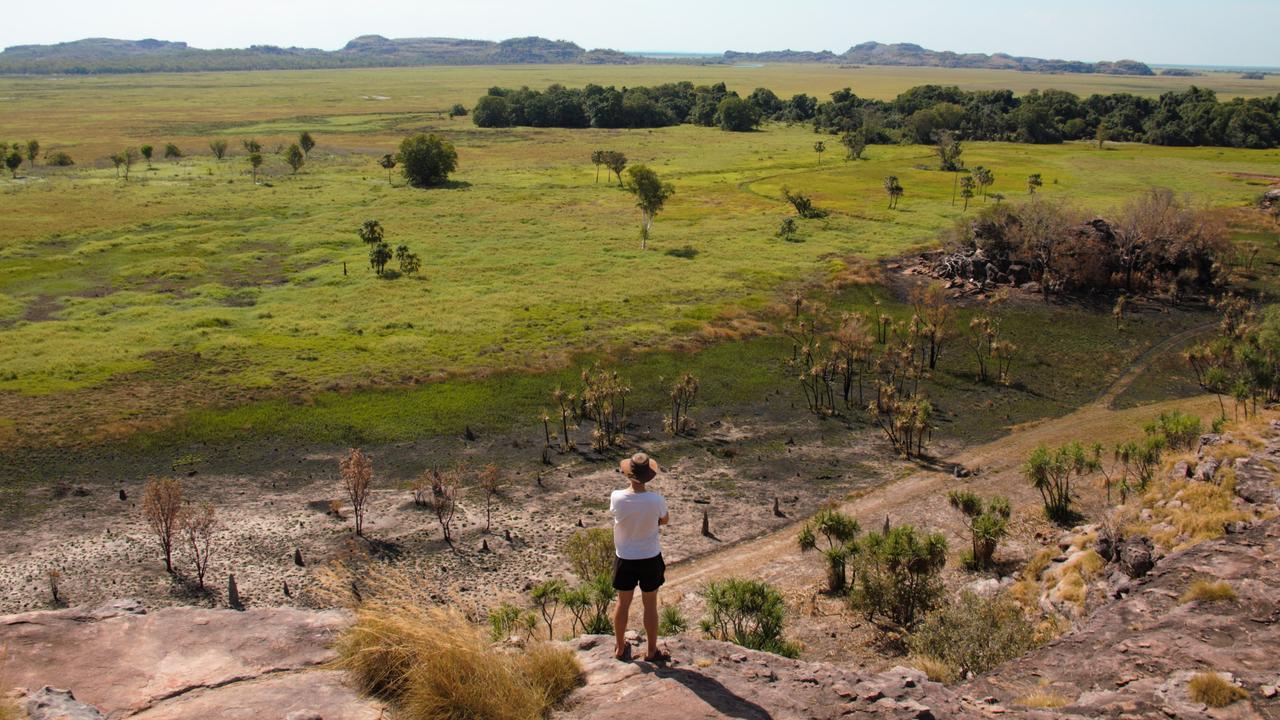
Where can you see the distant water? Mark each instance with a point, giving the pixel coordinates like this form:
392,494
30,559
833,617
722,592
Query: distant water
657,55
1220,68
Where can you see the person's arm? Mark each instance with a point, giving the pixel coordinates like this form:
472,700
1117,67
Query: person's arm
666,516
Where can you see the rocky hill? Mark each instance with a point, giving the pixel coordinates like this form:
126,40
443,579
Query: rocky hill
105,55
102,55
909,54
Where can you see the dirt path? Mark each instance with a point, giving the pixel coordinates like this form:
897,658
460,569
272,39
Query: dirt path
917,497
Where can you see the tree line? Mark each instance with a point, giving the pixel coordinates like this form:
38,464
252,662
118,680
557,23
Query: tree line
1190,117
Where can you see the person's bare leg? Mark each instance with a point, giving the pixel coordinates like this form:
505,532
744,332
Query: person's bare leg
650,601
620,613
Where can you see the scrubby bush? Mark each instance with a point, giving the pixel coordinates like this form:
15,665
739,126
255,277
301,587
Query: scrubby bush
590,553
58,159
434,665
1052,472
507,620
831,531
973,634
671,621
162,508
1211,689
896,574
803,205
1181,431
748,613
988,523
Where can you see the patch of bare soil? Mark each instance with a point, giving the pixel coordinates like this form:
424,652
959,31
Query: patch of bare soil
102,549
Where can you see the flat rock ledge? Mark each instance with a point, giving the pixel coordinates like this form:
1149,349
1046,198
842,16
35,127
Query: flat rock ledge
120,661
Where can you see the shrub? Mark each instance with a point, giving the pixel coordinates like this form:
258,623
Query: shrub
1052,471
896,574
427,160
837,530
1206,591
435,665
748,613
58,159
1214,690
1179,430
671,621
803,205
973,635
590,553
507,620
987,521
688,252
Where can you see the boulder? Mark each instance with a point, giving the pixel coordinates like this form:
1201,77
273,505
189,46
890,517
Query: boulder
1207,470
1136,556
53,704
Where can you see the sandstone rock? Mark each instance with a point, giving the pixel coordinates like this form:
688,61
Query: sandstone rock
53,704
1137,556
1181,470
180,663
1207,470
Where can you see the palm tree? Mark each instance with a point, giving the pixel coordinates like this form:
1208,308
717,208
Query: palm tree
894,189
388,161
819,147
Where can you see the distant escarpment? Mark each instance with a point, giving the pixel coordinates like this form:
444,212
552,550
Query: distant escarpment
909,54
105,55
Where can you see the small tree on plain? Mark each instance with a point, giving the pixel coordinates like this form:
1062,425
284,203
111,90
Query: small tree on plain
33,152
198,524
306,142
251,146
172,152
219,148
410,263
985,179
967,185
255,161
388,162
357,480
616,162
117,159
1034,182
13,160
147,151
855,143
597,159
129,157
819,147
444,500
162,508
651,195
893,188
427,160
371,232
787,230
379,255
492,483
458,110
295,156
683,393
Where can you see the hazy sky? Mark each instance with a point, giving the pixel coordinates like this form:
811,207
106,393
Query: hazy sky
1207,32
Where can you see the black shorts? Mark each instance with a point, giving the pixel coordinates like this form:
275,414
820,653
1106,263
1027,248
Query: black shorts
649,574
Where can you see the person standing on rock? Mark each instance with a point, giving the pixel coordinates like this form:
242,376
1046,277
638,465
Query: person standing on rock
637,514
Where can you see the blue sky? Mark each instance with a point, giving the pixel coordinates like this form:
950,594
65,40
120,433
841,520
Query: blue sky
1206,32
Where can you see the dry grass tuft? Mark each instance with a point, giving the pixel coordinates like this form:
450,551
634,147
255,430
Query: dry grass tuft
1043,699
1212,689
1203,512
936,670
436,665
1207,592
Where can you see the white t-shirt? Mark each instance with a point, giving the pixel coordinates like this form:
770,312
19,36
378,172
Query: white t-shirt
635,523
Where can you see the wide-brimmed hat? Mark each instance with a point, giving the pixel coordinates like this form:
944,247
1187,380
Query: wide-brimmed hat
640,467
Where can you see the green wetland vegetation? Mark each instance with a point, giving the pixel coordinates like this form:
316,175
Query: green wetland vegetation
188,303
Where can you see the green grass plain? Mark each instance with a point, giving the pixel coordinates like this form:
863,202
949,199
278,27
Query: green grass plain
187,287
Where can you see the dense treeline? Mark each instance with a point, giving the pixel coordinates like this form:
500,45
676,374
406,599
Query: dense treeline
1191,117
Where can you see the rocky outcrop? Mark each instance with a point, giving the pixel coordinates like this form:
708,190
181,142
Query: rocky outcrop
174,663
